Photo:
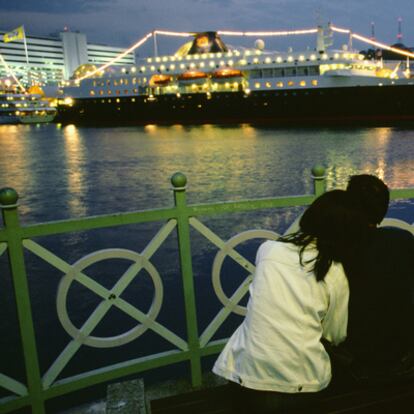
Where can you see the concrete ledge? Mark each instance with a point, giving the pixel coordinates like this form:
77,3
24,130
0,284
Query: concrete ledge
126,398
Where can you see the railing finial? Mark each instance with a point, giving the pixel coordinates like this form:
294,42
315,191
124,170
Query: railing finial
179,181
8,198
318,172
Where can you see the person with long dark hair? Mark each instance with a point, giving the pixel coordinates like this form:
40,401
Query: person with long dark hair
380,343
299,295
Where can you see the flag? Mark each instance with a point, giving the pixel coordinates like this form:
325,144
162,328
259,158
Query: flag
16,34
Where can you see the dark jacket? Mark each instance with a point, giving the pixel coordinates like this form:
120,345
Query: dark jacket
381,305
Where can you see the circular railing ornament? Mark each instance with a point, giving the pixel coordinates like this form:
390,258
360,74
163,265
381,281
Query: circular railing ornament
223,252
393,222
117,340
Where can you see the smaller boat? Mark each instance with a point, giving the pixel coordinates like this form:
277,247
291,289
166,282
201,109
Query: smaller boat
25,108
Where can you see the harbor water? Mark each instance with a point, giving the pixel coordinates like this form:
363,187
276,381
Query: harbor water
63,172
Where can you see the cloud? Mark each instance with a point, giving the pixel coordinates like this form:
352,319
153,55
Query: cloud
121,22
52,6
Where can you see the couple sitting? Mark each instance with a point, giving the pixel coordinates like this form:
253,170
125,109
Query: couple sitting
339,291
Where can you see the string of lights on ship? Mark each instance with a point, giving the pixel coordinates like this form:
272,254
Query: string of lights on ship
99,71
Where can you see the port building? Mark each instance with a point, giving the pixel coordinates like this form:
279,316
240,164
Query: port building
50,60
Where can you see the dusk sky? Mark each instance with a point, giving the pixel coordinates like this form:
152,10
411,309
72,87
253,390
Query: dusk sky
122,22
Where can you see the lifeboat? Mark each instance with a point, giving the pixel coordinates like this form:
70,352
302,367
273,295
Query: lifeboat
160,80
192,77
227,75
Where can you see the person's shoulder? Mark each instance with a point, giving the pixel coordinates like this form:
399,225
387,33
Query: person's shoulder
274,249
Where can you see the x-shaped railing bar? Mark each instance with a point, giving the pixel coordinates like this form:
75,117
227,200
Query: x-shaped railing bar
62,360
3,248
225,311
12,385
221,244
241,290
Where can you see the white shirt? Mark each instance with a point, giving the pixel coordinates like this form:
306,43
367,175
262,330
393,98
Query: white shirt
277,347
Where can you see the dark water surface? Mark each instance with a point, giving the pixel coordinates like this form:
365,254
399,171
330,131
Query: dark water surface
71,172
63,172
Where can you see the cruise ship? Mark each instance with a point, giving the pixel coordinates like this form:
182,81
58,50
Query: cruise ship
206,81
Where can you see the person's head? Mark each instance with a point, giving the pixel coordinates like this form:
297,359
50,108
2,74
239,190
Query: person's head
370,195
334,225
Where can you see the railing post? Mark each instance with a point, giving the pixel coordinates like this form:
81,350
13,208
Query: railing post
319,180
179,181
8,206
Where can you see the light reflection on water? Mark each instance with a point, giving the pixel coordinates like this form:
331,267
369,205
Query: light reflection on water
71,172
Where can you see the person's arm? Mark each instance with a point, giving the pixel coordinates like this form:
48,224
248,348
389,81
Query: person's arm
335,322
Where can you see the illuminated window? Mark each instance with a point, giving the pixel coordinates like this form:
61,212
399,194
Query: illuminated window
118,100
121,81
126,82
101,92
279,84
92,93
132,99
134,81
109,92
314,82
115,83
302,83
291,83
257,85
268,85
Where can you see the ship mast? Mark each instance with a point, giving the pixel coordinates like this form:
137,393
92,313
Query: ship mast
324,38
154,37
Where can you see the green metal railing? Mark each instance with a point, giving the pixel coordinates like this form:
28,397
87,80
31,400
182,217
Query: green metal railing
15,239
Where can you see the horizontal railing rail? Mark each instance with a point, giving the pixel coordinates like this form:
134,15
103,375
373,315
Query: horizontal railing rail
16,239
